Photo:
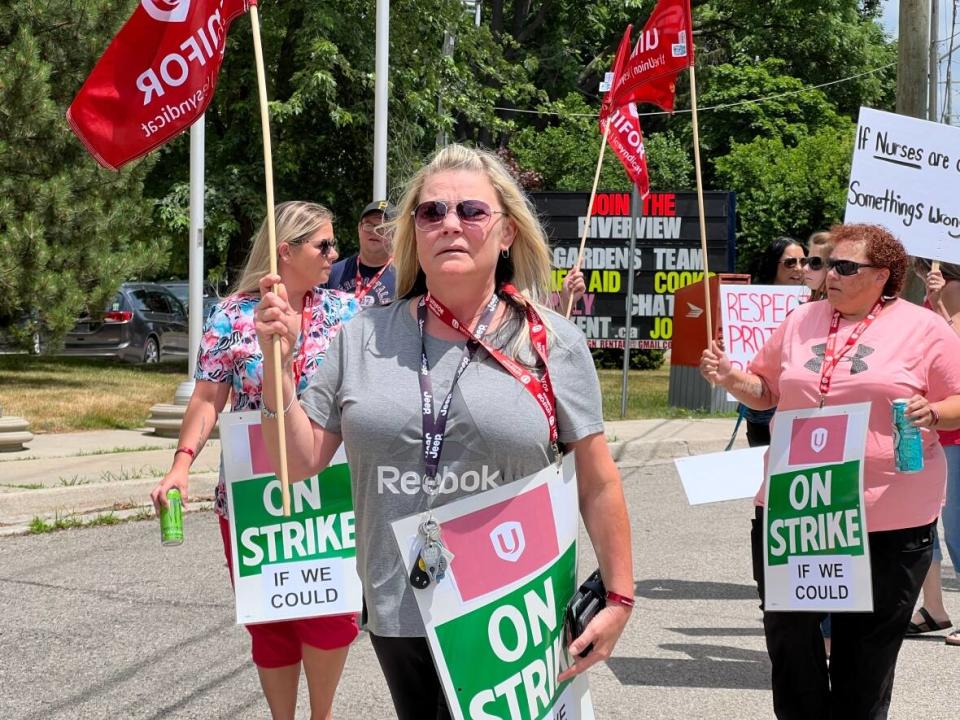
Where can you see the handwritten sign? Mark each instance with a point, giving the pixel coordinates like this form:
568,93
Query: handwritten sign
906,177
750,314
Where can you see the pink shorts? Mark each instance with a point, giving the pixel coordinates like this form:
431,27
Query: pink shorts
277,644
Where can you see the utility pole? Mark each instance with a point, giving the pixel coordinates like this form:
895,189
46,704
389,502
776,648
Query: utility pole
933,76
913,59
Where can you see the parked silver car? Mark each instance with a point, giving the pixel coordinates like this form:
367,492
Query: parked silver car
144,323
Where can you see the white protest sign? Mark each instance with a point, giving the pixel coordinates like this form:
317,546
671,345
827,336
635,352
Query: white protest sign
816,553
715,477
750,313
286,568
495,622
906,176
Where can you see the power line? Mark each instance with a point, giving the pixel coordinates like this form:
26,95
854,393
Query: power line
717,107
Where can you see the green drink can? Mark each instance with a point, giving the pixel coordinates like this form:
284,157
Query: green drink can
171,519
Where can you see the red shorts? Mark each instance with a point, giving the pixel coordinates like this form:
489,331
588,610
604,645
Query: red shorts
277,644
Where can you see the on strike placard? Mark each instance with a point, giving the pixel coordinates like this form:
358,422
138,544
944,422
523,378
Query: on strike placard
495,622
285,568
815,550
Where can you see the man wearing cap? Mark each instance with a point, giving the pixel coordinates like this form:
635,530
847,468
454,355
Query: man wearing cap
369,274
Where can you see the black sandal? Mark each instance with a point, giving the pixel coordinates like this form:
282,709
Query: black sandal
928,625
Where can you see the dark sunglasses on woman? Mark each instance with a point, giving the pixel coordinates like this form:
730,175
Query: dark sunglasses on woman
326,246
846,267
814,262
432,212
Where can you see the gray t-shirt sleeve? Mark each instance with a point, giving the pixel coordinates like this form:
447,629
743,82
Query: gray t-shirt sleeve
321,398
575,383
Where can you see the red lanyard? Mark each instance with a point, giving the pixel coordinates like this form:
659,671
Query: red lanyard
361,290
541,388
306,320
831,358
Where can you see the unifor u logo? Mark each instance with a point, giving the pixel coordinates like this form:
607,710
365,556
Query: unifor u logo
167,10
508,541
818,439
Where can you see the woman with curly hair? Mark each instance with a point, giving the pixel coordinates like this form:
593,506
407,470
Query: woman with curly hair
886,349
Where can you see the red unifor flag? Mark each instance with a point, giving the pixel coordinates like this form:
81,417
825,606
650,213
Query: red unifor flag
663,50
155,79
625,137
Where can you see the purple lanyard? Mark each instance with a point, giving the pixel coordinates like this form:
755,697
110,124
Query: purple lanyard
435,425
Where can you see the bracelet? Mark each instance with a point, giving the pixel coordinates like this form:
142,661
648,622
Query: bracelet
935,415
619,599
270,414
189,451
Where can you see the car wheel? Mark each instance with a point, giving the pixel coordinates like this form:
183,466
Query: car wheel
151,351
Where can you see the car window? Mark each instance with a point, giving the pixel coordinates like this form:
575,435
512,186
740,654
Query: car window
116,304
151,301
176,307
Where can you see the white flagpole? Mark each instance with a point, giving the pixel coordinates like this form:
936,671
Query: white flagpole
380,100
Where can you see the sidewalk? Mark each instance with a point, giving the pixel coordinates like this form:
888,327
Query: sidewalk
114,470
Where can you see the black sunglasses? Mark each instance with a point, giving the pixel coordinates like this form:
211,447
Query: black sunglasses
814,262
846,267
326,246
432,212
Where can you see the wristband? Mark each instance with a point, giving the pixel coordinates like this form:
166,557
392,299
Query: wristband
619,599
189,451
935,416
270,414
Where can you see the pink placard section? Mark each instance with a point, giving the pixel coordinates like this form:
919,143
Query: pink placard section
502,543
818,441
259,459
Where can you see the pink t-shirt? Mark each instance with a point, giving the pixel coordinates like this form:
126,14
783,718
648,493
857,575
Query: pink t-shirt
907,350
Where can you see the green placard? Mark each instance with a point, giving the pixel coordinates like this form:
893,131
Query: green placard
321,522
815,511
503,658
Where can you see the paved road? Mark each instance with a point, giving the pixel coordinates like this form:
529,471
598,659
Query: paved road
104,623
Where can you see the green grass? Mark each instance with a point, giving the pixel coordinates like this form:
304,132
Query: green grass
39,526
70,394
646,396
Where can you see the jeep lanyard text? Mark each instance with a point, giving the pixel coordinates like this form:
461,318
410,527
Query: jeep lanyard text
431,564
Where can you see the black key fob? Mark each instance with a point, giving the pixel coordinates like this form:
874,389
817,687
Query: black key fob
418,576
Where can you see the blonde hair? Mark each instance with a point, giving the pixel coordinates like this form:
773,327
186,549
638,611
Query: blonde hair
296,221
820,239
528,264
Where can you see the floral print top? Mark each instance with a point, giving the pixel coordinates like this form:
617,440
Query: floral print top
230,353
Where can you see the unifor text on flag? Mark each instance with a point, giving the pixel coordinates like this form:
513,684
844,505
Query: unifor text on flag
155,79
624,135
664,49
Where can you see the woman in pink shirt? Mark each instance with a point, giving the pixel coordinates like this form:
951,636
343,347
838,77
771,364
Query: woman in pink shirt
897,350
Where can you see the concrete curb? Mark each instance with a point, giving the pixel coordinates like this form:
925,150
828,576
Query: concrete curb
19,508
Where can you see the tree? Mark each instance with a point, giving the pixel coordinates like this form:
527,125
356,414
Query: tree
70,232
783,190
565,152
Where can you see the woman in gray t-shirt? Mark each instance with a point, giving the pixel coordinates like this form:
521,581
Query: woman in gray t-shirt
469,253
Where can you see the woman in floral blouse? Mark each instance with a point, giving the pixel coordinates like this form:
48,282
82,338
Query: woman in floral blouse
230,366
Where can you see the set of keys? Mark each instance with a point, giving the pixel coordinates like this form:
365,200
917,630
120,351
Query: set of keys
433,558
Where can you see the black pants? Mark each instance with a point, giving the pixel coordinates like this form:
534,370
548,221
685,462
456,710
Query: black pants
864,646
758,433
411,676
